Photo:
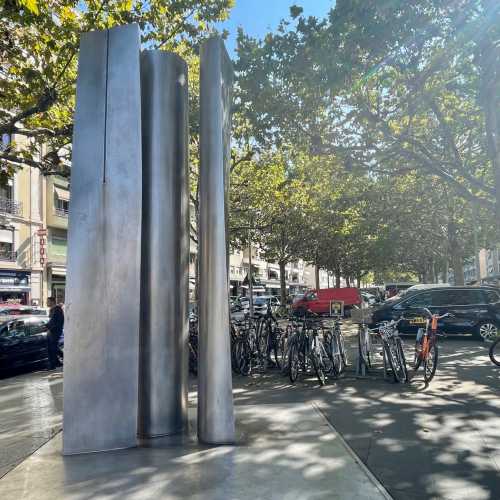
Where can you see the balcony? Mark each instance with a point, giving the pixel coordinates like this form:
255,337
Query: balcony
61,212
8,206
7,255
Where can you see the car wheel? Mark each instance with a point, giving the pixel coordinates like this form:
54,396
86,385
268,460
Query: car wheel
487,331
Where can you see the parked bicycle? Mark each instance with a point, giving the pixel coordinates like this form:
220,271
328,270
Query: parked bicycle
495,352
307,349
393,349
426,346
335,348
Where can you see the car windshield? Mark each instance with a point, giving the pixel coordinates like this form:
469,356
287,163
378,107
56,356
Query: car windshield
259,301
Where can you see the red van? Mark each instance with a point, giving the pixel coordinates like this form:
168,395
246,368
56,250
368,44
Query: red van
318,301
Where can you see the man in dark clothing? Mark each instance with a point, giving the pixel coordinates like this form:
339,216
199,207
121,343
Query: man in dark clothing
55,330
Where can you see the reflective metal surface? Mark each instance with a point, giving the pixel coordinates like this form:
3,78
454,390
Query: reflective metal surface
215,398
165,245
103,278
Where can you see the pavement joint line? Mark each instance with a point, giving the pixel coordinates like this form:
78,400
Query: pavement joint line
18,463
380,487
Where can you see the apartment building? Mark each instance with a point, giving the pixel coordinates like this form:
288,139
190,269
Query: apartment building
57,206
33,237
21,230
266,275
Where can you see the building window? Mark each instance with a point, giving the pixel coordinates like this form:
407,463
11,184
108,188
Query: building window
7,203
61,201
58,246
7,244
272,274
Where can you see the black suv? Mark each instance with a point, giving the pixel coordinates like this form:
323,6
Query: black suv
475,310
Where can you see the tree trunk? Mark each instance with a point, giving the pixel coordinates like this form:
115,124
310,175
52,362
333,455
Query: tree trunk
337,278
455,254
347,281
283,293
445,269
490,98
316,277
458,269
358,281
196,278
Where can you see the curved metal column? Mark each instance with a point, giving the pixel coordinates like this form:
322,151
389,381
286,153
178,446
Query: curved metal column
102,302
215,396
165,246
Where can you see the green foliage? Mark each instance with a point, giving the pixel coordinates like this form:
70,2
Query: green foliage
400,102
38,54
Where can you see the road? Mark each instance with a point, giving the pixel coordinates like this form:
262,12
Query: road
442,441
437,442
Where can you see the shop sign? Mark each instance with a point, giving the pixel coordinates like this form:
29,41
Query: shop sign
43,244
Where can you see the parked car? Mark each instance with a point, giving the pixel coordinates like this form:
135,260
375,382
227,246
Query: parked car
260,304
23,340
368,298
318,301
22,310
475,310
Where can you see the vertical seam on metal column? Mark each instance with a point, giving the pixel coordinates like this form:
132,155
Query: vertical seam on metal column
105,108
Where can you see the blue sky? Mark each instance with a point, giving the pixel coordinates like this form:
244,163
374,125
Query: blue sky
257,17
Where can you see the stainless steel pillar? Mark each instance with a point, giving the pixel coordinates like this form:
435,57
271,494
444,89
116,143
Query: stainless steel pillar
215,397
102,306
165,245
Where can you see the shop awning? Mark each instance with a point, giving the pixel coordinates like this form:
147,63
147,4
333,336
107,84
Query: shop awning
6,236
14,288
62,194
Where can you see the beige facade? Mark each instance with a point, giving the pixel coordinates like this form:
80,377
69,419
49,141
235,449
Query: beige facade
33,229
22,214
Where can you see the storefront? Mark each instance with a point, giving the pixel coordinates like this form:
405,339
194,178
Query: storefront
57,283
15,287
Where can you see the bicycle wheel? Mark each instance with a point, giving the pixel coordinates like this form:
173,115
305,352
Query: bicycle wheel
263,347
363,347
393,360
318,368
284,353
430,363
343,351
335,356
244,357
417,358
293,362
495,352
402,358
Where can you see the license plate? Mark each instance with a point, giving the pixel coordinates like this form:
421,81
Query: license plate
417,321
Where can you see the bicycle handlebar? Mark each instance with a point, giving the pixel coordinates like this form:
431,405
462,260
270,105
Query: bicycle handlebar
430,315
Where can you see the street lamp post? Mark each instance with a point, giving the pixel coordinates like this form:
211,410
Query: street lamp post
250,284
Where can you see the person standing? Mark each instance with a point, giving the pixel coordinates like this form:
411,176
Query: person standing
55,329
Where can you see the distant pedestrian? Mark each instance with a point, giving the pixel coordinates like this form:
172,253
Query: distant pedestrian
55,330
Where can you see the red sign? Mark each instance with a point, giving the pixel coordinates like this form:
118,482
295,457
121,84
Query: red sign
42,232
42,251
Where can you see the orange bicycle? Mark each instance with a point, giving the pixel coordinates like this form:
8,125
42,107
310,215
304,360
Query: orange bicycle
426,347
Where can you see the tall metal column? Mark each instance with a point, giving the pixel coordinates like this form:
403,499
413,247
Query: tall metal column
215,397
165,245
102,307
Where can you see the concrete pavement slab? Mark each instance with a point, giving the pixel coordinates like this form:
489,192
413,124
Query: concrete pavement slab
30,414
285,452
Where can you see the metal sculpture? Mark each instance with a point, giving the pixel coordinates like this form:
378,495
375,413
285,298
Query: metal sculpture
127,327
102,310
165,245
215,397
